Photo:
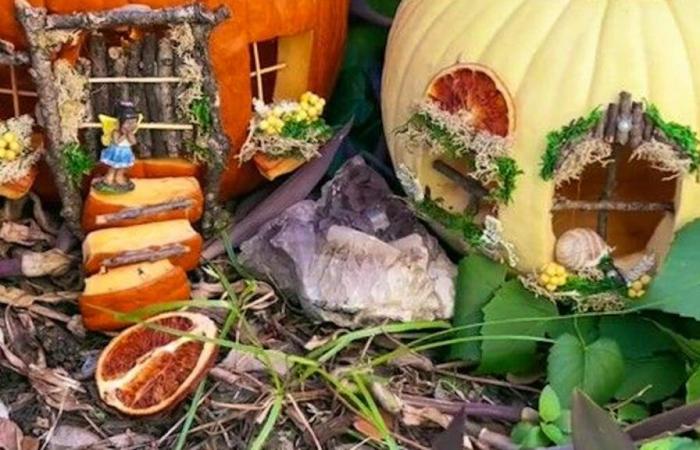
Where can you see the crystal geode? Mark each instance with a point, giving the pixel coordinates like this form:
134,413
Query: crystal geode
356,256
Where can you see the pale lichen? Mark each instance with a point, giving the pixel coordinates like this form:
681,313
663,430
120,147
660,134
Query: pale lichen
72,91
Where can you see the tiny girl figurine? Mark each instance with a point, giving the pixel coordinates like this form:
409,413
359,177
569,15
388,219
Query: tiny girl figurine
118,156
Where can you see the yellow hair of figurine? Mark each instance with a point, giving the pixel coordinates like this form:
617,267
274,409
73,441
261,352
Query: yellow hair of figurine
110,125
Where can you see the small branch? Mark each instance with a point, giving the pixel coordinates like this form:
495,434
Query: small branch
11,57
608,191
145,211
476,189
478,410
609,205
624,119
146,126
138,96
165,95
137,16
611,123
136,80
149,62
146,255
637,131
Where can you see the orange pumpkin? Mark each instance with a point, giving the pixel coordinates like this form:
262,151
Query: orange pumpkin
139,242
130,288
307,36
19,188
148,192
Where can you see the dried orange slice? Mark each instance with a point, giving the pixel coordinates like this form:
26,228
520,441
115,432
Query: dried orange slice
477,91
145,370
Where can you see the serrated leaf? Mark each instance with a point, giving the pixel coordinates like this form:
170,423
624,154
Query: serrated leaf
554,434
632,412
692,387
658,377
597,369
477,279
511,303
528,435
678,280
594,429
549,406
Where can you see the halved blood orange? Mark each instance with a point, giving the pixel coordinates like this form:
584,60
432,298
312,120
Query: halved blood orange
147,369
477,91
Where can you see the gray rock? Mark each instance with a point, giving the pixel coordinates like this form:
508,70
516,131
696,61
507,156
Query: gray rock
356,256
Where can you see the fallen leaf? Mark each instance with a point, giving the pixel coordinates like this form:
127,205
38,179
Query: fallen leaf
367,429
11,435
242,362
16,233
66,437
414,360
422,417
386,399
50,263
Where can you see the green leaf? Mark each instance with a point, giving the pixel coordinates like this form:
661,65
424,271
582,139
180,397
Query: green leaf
512,302
637,337
689,347
549,406
528,435
584,327
594,429
632,412
554,434
564,421
677,283
597,369
692,387
477,279
672,443
658,377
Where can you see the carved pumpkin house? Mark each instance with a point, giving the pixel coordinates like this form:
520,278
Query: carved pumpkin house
192,70
273,50
530,119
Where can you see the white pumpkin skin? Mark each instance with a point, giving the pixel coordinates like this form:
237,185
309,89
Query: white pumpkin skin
559,59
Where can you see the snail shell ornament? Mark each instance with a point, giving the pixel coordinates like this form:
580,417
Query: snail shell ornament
580,248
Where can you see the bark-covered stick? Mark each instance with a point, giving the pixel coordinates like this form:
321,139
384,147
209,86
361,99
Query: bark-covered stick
165,95
34,22
138,96
218,142
117,68
137,16
132,213
610,205
148,62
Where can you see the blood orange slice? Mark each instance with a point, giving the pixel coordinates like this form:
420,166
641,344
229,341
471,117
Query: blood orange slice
477,94
146,369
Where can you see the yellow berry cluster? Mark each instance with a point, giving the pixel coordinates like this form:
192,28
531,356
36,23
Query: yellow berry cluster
553,276
637,288
10,146
308,109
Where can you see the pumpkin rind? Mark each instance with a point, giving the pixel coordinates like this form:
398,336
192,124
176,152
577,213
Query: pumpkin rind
19,188
157,191
96,251
172,286
560,59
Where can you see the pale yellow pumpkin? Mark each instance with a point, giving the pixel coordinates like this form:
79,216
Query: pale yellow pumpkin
559,59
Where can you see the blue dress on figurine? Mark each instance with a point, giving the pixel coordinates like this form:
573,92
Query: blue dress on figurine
119,138
118,155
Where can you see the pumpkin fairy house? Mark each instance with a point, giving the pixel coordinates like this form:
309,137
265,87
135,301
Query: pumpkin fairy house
583,169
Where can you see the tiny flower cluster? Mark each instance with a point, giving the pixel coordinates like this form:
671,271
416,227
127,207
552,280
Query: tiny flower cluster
637,288
10,146
308,109
553,276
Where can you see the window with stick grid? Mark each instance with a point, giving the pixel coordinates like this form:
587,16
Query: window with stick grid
264,68
17,93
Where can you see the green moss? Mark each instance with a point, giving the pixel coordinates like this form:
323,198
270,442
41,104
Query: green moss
508,171
460,223
587,287
451,144
77,162
556,140
681,135
200,111
317,131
